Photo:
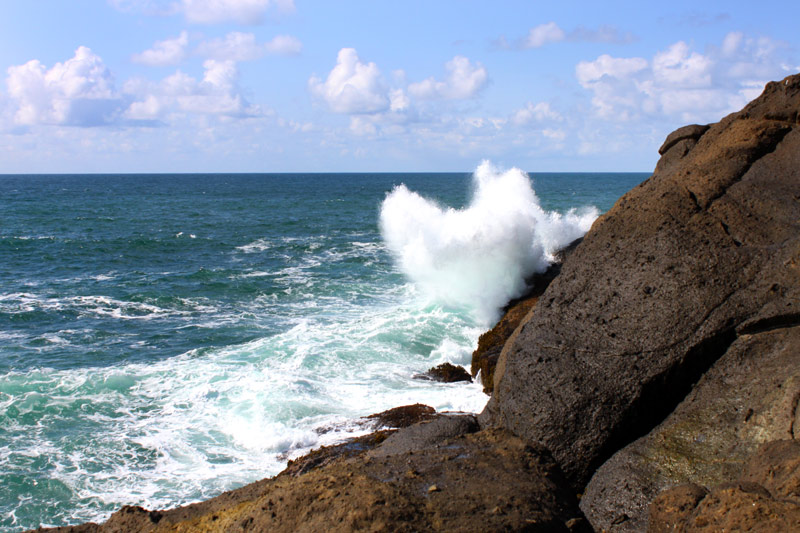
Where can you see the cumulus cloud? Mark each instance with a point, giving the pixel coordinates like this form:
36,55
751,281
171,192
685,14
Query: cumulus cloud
463,80
285,45
164,53
550,32
238,46
242,11
681,84
603,34
217,93
541,112
352,86
77,92
207,11
543,34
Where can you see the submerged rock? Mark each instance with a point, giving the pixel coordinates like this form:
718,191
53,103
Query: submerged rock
446,373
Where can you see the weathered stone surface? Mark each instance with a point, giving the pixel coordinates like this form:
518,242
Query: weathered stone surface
490,344
425,435
487,481
747,398
655,293
446,373
764,499
401,417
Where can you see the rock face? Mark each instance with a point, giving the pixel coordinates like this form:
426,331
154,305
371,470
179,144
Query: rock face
747,398
704,252
487,481
490,344
765,498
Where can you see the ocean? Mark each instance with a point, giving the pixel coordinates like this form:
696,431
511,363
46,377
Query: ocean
165,338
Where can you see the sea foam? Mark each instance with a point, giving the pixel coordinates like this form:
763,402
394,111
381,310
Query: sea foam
479,256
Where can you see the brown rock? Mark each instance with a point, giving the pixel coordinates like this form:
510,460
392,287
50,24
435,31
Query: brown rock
705,251
745,505
747,398
473,474
446,373
401,417
490,344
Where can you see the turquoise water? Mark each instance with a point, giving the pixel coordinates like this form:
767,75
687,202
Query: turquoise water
164,338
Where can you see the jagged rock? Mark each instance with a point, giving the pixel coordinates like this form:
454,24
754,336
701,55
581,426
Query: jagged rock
487,481
747,398
766,498
446,373
385,423
490,344
401,417
703,252
426,435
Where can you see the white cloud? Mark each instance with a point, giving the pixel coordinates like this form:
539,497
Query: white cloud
238,46
78,92
543,34
166,52
463,80
284,45
680,84
603,34
677,67
216,94
352,86
242,11
540,112
589,72
550,32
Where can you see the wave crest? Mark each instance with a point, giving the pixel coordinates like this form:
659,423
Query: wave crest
478,256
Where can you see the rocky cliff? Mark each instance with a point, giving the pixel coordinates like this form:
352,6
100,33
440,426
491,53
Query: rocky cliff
658,376
692,276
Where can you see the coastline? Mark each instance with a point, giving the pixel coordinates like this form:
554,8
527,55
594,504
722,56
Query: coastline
621,371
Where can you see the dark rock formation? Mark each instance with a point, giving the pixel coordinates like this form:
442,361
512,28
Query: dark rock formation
490,344
487,481
747,398
765,498
401,417
705,251
446,373
385,422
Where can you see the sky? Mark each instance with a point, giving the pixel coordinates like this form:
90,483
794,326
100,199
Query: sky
139,86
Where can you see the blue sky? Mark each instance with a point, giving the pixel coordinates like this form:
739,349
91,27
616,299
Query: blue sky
326,86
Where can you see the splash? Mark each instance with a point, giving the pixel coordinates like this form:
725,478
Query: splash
479,256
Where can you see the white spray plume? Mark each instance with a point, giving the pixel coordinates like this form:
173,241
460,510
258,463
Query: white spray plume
478,256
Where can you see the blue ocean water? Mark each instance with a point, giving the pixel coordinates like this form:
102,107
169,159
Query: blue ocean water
164,338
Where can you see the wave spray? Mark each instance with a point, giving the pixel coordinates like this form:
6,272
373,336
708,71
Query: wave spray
480,256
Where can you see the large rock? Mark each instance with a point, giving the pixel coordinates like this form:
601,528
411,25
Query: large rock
705,251
487,481
749,397
765,498
490,344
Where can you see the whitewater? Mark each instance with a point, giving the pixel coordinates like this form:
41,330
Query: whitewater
165,338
